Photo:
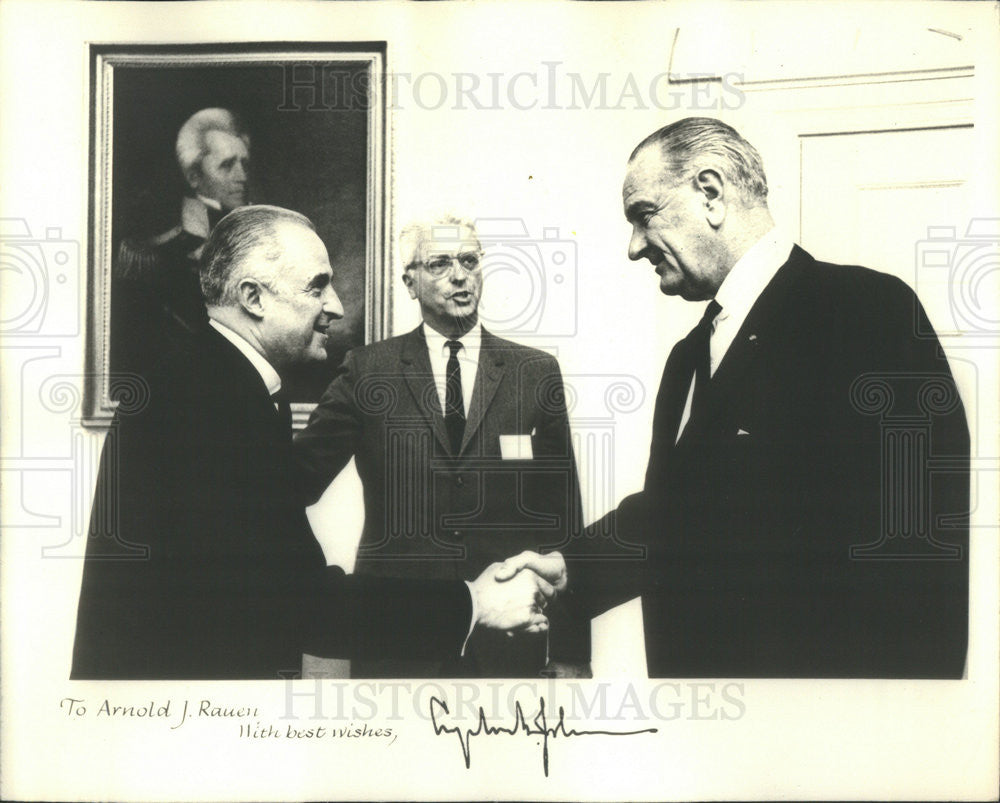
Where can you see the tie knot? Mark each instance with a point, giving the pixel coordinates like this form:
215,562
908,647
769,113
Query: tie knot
711,311
454,346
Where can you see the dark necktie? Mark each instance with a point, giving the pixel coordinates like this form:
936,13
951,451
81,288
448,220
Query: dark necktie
701,349
284,412
454,410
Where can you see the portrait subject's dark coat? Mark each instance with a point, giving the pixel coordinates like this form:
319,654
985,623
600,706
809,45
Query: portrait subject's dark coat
200,562
812,519
156,297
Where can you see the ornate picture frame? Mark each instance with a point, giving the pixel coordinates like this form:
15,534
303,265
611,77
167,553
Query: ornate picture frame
314,120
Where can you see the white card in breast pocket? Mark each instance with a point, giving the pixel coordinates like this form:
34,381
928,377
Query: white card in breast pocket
515,447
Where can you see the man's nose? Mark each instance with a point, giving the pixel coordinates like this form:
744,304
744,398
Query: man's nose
637,244
457,273
331,304
240,172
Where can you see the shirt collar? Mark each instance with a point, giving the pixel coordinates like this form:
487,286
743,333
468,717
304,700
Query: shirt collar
194,216
210,202
471,340
267,373
751,274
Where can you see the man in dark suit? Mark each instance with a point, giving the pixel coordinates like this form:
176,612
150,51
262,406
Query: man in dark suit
791,525
156,298
462,443
200,561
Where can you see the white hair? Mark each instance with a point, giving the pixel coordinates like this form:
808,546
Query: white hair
191,147
437,229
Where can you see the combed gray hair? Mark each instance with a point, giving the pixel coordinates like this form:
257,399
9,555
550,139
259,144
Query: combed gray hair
191,147
244,244
683,145
414,236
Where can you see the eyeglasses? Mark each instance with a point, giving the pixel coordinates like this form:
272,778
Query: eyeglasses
438,265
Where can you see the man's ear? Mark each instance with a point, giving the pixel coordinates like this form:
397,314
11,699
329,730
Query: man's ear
250,295
711,184
410,284
193,177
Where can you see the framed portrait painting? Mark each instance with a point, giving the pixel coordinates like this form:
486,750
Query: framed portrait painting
182,134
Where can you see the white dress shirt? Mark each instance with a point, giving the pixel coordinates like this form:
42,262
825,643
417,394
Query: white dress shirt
210,202
737,295
468,361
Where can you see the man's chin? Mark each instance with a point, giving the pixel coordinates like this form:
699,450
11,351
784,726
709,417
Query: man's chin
463,312
317,351
317,354
669,288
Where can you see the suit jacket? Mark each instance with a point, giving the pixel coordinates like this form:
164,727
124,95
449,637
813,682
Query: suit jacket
796,528
200,562
430,513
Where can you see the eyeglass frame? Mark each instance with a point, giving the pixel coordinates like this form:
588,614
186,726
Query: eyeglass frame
440,271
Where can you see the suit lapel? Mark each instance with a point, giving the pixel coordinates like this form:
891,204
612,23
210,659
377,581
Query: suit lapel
755,337
488,377
235,371
772,308
677,378
416,369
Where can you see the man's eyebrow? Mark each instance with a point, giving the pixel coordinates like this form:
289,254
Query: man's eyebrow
634,208
320,280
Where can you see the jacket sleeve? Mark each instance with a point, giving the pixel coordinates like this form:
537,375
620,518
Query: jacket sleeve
569,633
389,617
332,435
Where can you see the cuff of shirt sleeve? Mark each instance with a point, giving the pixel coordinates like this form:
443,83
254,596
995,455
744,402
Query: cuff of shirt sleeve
475,617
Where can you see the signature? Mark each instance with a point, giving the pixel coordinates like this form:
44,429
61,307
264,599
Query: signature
538,726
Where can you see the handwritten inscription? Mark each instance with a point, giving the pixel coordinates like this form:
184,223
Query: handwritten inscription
174,714
538,726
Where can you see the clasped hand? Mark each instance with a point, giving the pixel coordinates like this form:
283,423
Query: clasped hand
512,595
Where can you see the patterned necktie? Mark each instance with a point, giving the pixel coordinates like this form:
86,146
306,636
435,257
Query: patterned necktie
701,348
284,411
454,410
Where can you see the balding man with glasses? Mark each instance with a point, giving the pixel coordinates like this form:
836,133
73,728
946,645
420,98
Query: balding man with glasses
462,443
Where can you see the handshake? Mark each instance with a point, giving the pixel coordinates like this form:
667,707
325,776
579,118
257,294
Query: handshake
512,595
